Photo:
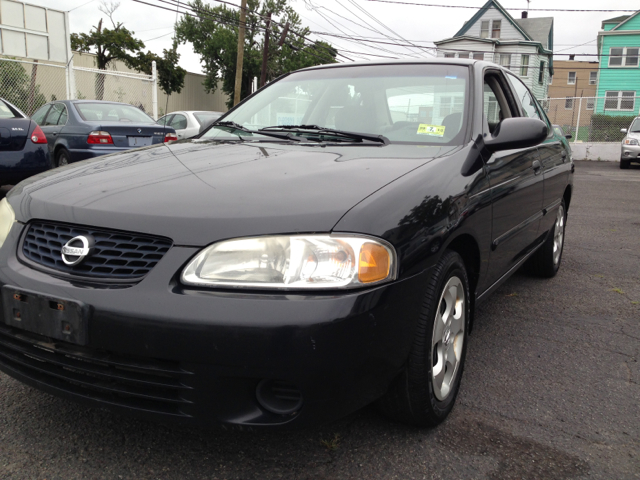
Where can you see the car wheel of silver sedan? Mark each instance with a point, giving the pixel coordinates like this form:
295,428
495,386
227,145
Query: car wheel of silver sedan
425,392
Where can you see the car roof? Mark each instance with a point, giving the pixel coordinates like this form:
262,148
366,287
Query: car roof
465,62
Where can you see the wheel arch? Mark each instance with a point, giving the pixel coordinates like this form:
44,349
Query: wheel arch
567,197
467,247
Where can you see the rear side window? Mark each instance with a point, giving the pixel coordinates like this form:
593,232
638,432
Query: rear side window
179,122
38,117
525,99
53,117
204,118
164,120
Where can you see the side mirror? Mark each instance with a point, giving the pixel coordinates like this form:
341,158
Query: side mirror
520,132
623,130
568,137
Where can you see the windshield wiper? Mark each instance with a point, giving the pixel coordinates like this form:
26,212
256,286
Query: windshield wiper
237,126
328,131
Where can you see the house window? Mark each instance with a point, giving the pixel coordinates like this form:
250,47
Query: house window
484,29
620,100
478,56
495,28
449,55
572,78
568,103
593,78
541,73
464,55
591,103
504,59
623,57
524,66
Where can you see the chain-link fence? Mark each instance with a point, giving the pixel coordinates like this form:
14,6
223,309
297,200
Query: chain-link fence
593,119
133,88
29,85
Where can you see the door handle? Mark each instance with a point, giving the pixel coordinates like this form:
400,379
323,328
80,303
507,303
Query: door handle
537,167
54,133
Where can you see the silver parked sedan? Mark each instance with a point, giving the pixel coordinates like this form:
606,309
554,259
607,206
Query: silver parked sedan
630,148
189,123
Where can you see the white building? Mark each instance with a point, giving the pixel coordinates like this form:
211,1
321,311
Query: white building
524,45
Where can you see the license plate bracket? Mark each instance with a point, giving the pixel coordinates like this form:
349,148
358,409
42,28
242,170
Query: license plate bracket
140,141
53,317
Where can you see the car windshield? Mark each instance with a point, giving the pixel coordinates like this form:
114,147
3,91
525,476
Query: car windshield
635,126
205,117
5,111
417,103
112,112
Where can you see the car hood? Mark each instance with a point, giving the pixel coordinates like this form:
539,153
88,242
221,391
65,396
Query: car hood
198,192
635,135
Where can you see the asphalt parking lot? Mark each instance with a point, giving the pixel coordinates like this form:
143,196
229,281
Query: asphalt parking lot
551,389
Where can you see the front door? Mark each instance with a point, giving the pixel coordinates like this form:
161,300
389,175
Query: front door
517,186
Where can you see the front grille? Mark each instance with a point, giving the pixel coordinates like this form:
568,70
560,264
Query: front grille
139,383
117,255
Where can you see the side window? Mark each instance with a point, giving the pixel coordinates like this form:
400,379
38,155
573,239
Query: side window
54,115
63,116
38,117
179,122
524,97
164,120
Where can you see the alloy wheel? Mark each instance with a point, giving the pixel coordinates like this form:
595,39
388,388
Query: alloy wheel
558,236
448,338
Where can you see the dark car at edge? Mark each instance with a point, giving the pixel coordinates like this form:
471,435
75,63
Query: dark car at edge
23,146
320,247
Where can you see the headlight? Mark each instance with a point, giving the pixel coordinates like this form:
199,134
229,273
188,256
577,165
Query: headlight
630,141
7,218
293,262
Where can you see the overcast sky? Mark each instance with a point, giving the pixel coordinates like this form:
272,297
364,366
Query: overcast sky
417,24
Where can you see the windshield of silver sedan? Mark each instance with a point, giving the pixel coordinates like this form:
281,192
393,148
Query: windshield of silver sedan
414,103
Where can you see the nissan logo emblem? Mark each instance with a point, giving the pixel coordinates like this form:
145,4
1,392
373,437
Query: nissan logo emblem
77,249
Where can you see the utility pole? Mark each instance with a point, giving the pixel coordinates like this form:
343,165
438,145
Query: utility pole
265,54
240,58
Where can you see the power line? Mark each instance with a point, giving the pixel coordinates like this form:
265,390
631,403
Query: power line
481,8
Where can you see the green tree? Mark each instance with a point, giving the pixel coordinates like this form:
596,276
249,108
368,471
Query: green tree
19,88
119,43
213,32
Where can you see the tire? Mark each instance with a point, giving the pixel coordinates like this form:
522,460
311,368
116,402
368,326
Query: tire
62,158
546,261
424,393
624,164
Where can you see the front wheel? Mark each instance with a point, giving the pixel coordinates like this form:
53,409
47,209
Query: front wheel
425,392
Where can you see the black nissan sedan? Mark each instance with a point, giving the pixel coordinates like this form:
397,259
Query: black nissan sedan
320,247
23,145
81,129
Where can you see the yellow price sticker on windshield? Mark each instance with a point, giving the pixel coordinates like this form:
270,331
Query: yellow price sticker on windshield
434,130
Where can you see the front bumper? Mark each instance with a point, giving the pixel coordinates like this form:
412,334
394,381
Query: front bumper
161,351
630,152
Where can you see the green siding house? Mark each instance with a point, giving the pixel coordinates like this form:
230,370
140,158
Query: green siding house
619,79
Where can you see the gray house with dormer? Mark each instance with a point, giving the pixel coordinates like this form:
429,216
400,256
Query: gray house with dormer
523,45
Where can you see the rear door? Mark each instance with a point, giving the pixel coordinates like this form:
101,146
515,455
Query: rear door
50,125
516,183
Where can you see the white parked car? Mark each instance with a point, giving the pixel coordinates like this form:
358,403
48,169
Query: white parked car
187,124
630,148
